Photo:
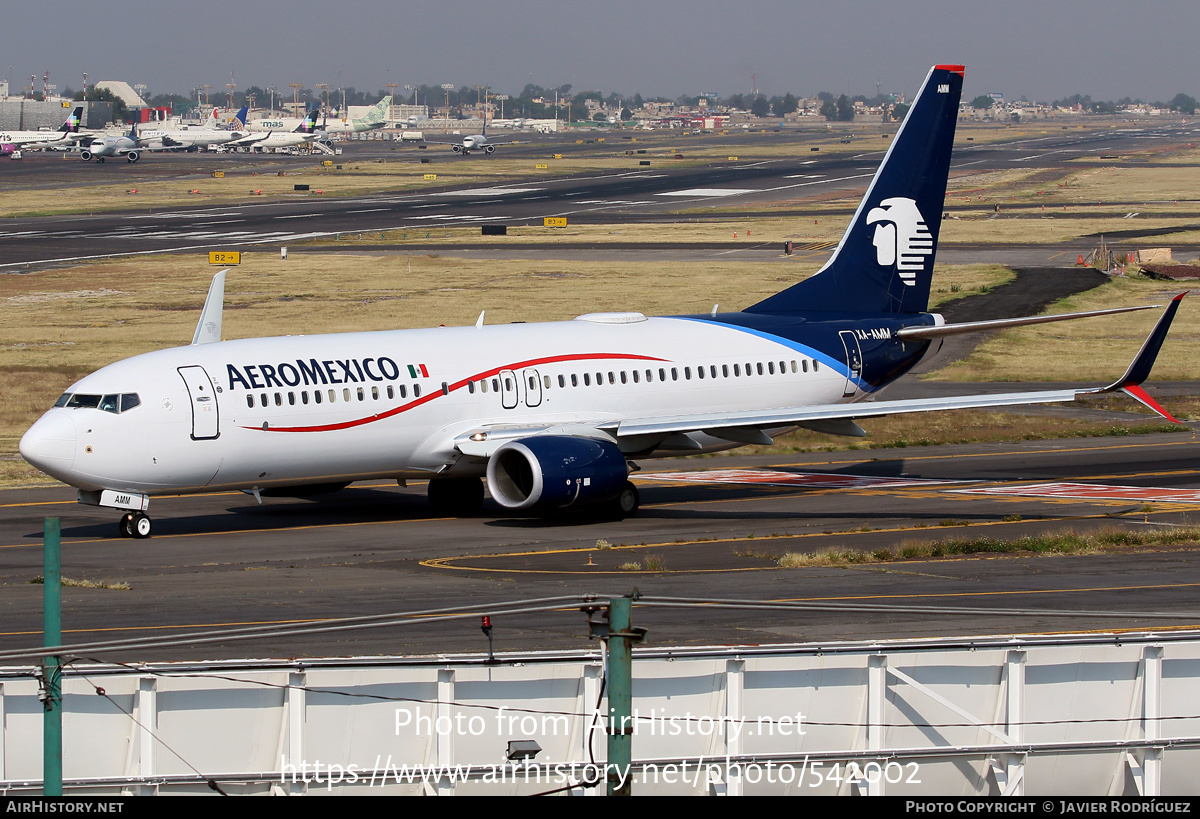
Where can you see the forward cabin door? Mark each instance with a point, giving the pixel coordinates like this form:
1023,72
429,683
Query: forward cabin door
533,387
206,422
509,389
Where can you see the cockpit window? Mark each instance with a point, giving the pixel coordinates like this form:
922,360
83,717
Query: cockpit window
108,403
81,401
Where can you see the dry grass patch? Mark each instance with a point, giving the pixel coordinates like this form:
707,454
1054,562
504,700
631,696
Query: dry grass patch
1067,541
1096,349
84,584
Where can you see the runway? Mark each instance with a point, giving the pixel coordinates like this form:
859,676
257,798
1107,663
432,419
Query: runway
637,194
713,528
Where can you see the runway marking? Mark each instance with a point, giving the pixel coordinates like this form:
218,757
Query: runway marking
1091,491
772,477
709,192
494,191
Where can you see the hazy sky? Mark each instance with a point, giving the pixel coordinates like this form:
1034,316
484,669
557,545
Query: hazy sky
1044,49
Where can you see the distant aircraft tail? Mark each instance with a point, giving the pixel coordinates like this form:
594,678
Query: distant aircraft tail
310,122
884,262
213,121
71,126
238,123
378,112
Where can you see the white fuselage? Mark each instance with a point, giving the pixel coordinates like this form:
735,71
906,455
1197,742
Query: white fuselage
35,139
285,139
187,137
245,414
111,146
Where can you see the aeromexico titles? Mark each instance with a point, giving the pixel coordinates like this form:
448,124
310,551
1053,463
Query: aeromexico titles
552,414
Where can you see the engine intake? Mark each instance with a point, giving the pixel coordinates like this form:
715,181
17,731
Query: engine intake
555,472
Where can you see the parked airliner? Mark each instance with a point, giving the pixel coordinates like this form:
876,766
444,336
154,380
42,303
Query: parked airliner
552,414
12,142
305,132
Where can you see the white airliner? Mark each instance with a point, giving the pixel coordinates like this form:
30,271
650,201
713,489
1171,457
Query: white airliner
14,141
553,413
474,142
125,145
305,132
212,132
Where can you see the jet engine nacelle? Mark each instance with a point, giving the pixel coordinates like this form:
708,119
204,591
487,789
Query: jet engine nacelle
456,148
491,148
7,148
556,471
132,156
85,155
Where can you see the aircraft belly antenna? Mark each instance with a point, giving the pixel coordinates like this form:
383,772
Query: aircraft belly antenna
208,329
479,322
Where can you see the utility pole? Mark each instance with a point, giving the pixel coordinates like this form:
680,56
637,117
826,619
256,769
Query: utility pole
391,87
295,86
446,86
324,89
620,635
51,693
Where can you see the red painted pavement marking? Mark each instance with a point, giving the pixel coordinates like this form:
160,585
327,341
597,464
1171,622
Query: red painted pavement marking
1091,491
770,477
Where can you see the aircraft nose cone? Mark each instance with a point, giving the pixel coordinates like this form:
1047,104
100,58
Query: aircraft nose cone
50,443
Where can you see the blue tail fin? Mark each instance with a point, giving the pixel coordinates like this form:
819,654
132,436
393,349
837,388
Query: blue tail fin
884,262
239,121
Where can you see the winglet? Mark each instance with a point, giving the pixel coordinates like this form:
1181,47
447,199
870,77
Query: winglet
1139,369
208,329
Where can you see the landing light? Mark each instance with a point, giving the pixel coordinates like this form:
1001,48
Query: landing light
479,437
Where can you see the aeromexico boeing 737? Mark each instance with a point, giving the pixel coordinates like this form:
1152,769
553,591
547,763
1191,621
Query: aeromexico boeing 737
552,414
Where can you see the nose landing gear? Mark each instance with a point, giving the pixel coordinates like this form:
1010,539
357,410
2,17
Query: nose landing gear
134,524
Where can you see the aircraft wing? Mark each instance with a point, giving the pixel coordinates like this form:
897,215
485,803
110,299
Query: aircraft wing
248,139
738,423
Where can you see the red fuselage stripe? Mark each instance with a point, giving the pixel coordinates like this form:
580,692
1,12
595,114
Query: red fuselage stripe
457,385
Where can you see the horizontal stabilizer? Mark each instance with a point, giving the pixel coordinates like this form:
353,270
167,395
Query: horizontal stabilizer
940,331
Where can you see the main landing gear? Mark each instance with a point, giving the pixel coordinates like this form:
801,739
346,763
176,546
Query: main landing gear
134,524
